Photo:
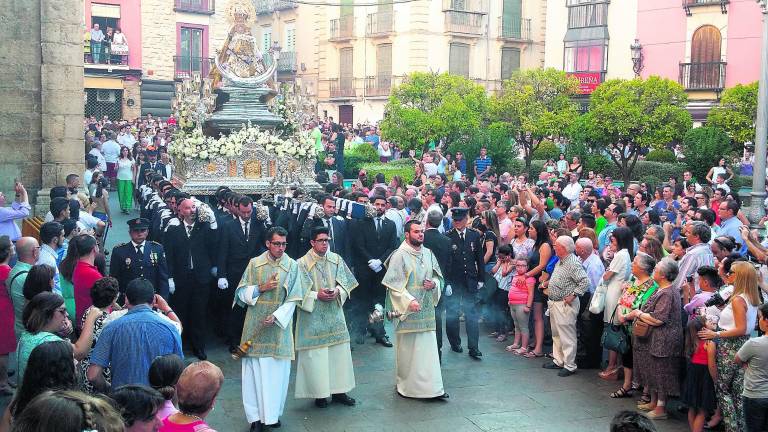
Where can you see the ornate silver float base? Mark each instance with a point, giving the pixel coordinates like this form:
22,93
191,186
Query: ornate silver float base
244,105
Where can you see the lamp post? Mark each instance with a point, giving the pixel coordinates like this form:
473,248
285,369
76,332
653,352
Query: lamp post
275,49
637,57
757,210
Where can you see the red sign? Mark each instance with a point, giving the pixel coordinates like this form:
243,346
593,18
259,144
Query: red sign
588,81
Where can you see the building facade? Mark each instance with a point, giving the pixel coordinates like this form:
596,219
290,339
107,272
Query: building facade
591,40
167,40
705,45
350,57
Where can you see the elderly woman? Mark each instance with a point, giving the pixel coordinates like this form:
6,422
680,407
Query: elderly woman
636,293
45,319
618,272
722,246
197,389
737,320
657,353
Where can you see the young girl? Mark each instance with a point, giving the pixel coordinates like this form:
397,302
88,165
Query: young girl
503,272
520,302
699,388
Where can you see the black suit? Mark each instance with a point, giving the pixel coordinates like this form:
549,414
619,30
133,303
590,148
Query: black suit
369,243
467,269
440,245
158,167
190,260
235,251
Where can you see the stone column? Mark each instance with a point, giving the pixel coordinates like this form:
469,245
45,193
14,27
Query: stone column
61,79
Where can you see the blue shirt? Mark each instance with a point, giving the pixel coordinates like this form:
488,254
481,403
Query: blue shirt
8,216
462,166
482,164
731,227
129,344
605,237
661,209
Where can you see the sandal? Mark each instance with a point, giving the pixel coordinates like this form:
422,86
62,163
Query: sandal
520,351
621,393
644,399
532,354
511,348
501,338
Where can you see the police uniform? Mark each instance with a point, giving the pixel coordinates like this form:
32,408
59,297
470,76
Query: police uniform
130,261
467,269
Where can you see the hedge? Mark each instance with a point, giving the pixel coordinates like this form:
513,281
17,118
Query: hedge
661,155
356,157
403,167
659,170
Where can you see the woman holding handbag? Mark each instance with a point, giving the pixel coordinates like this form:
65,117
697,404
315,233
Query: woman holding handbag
657,337
618,272
636,293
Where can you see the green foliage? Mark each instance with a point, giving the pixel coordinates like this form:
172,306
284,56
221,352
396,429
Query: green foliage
625,116
740,181
390,169
496,139
430,107
661,155
601,165
598,163
547,150
651,181
703,147
534,104
736,113
356,157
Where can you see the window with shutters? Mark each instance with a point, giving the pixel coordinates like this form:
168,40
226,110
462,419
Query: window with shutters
510,61
383,78
511,18
706,69
266,38
458,59
345,68
290,37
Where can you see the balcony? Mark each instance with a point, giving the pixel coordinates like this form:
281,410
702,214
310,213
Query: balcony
470,6
287,62
186,67
463,23
342,88
381,85
688,4
105,62
703,76
342,29
515,29
206,7
264,7
380,24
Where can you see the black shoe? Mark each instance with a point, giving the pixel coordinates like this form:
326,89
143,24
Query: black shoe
384,340
475,354
200,353
566,373
232,349
442,397
275,425
257,427
343,399
551,366
457,348
321,403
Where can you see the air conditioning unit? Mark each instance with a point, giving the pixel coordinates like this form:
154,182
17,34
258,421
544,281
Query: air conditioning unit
107,96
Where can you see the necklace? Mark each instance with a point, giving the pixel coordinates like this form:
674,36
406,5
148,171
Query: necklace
192,416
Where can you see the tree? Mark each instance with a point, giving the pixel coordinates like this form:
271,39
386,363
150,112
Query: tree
625,116
736,114
535,104
703,147
430,107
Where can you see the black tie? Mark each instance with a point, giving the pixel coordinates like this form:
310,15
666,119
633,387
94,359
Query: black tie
461,236
189,230
378,226
245,230
138,249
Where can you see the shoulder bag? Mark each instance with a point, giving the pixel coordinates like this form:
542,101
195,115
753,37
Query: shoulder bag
614,336
641,330
597,303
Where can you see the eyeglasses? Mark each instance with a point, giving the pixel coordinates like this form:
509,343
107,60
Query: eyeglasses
324,240
279,244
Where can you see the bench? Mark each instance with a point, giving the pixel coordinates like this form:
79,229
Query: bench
30,227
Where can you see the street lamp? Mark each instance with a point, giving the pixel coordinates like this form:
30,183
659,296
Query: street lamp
275,50
637,57
757,210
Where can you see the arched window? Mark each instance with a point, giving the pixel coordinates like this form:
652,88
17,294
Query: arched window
705,58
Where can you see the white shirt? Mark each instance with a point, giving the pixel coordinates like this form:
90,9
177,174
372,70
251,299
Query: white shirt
111,151
571,191
127,140
100,159
125,169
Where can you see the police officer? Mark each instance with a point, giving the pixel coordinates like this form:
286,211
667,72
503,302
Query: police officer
140,258
465,277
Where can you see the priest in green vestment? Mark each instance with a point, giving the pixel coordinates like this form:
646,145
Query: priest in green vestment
270,288
324,359
413,281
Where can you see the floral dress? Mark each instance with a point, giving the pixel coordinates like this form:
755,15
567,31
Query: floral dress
635,296
86,385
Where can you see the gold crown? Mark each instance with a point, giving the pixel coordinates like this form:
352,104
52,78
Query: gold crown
241,12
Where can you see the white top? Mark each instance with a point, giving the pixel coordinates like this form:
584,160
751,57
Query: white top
718,170
127,140
726,316
125,169
100,159
111,151
621,266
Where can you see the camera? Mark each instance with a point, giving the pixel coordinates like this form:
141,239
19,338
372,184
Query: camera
720,297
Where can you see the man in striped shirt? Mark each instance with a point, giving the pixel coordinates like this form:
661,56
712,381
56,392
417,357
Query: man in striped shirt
568,282
482,165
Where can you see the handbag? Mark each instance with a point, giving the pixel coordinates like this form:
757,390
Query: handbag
615,337
597,303
641,330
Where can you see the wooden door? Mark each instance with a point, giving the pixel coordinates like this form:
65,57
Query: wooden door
705,58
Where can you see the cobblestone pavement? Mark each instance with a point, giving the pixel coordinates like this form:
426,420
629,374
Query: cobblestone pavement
502,392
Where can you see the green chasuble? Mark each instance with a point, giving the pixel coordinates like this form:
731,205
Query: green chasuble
319,323
407,269
269,341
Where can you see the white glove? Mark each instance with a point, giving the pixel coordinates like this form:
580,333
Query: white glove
171,286
214,270
223,284
375,264
448,291
480,285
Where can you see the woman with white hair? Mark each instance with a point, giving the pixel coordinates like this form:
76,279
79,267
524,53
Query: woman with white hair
196,390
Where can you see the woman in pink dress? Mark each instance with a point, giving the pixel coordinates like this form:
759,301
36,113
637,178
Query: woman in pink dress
7,336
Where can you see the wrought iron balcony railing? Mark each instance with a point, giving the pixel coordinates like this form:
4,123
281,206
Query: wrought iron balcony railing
380,24
342,28
688,4
702,76
342,87
186,67
515,29
207,7
264,7
464,23
287,62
